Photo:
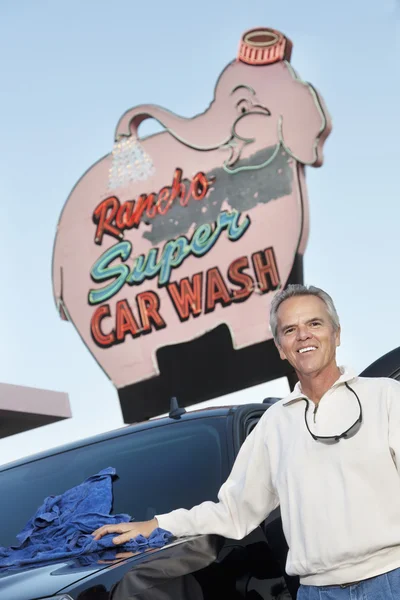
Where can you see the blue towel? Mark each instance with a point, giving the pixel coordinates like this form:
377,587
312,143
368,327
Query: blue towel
62,526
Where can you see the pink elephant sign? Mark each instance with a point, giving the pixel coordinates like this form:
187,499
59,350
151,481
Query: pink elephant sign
170,236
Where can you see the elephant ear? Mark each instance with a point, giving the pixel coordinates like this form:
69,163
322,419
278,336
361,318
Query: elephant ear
304,123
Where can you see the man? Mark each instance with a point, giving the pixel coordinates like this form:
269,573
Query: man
328,454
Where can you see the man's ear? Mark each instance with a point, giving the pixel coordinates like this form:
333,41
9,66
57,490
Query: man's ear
281,353
338,332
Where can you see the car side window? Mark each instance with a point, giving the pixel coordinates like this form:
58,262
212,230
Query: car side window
177,465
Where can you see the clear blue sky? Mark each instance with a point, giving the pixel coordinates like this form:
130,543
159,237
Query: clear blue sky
70,69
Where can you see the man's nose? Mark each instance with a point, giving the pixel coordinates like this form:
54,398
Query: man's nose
303,333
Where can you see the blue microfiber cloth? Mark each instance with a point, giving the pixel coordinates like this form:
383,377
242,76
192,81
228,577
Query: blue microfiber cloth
62,526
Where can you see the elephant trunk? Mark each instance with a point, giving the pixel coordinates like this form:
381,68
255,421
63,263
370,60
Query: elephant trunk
199,133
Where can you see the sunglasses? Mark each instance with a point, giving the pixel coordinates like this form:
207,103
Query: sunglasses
333,439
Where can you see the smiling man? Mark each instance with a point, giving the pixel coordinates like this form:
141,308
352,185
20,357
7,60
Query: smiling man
328,455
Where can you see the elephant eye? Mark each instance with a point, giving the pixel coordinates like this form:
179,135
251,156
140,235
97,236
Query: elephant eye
243,106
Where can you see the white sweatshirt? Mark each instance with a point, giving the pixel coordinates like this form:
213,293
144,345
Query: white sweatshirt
340,503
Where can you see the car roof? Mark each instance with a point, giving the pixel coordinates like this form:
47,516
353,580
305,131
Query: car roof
124,430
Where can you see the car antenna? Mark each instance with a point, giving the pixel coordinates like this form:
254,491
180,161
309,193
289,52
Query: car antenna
175,411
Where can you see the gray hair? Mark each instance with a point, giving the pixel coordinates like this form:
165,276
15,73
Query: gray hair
301,290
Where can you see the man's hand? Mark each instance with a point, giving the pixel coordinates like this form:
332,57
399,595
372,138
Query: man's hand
127,531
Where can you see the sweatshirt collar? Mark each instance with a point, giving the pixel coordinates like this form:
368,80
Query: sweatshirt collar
347,374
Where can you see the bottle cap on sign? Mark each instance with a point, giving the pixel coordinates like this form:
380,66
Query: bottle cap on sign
263,46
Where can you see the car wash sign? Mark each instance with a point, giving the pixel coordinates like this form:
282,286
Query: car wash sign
169,236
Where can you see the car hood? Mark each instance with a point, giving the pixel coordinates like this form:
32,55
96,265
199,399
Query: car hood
46,579
141,569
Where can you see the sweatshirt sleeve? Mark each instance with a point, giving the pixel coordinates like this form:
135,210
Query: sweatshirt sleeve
244,500
394,420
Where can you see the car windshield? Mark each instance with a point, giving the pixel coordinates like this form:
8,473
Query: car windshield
159,469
